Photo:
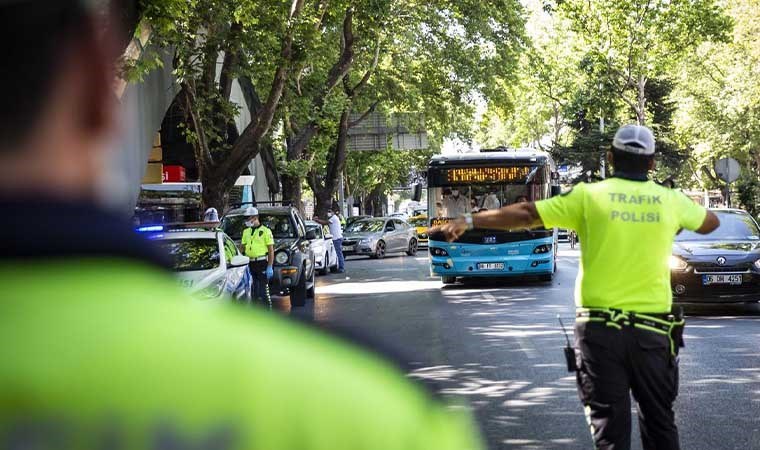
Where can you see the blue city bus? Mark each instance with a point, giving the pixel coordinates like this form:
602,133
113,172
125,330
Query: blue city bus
472,182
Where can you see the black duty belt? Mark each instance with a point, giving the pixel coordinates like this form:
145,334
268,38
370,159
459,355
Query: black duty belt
668,325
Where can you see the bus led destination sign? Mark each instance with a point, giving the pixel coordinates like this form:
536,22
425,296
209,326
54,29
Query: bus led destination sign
487,174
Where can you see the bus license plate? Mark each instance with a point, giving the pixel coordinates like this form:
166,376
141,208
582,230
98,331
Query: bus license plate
491,266
721,279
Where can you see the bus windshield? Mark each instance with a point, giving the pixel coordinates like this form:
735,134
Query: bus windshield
453,201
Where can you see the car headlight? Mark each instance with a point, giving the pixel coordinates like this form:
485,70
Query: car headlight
281,257
757,263
677,263
213,290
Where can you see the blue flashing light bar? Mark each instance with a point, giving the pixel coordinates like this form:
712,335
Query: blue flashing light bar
150,228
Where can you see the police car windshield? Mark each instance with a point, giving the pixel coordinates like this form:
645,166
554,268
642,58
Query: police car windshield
191,254
734,226
366,226
280,224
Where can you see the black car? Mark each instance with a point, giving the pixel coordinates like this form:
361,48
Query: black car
293,258
720,267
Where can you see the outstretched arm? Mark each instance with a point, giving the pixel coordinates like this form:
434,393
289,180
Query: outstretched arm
519,215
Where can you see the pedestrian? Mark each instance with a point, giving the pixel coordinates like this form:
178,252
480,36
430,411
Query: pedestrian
626,338
337,235
257,243
100,347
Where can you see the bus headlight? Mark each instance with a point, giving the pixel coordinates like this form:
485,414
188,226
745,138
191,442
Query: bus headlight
435,251
281,257
677,263
543,248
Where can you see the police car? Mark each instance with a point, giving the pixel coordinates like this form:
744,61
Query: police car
206,261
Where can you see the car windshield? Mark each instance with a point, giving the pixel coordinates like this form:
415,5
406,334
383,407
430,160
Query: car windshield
314,226
734,226
418,222
191,254
280,224
366,226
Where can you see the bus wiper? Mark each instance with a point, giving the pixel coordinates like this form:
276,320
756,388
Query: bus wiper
531,175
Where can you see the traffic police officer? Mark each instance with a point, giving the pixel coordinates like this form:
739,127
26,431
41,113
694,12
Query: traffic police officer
99,346
626,339
258,244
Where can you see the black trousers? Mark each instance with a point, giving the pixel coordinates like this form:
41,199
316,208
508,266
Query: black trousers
259,282
615,362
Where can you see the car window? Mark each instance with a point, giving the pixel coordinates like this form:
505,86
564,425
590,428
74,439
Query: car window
365,226
389,226
230,249
317,228
191,254
281,225
233,226
399,224
734,225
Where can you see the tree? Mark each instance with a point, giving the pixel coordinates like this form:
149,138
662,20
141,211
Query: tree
629,42
435,60
215,42
718,91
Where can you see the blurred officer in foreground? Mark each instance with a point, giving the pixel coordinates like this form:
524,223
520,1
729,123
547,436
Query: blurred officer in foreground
99,347
258,244
626,339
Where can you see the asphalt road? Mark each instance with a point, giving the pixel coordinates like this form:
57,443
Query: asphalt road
497,347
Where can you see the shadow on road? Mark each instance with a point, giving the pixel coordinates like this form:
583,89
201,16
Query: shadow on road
721,310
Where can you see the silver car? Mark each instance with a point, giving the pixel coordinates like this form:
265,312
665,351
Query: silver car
378,236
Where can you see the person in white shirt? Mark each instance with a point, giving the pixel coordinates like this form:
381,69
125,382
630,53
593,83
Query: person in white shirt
455,204
337,235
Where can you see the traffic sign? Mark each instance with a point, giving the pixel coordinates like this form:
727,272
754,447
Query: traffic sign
727,169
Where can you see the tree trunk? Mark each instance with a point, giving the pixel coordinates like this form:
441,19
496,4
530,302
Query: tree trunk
292,190
216,192
324,203
641,103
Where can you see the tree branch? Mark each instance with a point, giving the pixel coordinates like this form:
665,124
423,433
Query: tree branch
364,116
231,56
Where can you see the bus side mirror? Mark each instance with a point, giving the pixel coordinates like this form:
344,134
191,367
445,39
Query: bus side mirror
556,190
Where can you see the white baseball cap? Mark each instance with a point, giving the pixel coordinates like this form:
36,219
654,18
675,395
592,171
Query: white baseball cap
636,139
251,211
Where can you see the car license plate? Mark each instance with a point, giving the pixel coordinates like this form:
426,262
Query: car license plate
491,266
348,248
721,279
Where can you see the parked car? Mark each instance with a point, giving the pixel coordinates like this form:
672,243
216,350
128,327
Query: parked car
206,261
420,223
378,236
723,266
563,235
294,267
325,257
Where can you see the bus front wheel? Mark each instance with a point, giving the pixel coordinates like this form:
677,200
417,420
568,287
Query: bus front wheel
449,280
